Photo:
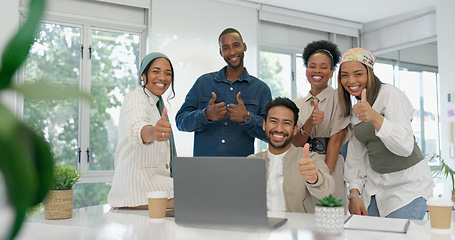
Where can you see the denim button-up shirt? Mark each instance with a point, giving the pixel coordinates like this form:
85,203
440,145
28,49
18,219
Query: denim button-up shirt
224,137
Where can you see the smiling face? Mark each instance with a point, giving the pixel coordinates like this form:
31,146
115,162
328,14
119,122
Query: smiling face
279,129
353,77
319,72
159,76
232,49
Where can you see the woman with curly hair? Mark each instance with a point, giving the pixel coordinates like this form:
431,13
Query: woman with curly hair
320,121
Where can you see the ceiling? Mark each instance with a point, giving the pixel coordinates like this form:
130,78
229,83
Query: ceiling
361,11
365,11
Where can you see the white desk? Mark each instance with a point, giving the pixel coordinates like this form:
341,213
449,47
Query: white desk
100,222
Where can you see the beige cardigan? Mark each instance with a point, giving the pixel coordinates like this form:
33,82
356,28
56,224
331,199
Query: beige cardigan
301,196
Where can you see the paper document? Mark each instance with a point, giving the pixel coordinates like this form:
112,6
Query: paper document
367,223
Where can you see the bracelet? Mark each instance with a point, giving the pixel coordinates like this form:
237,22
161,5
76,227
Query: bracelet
303,132
353,195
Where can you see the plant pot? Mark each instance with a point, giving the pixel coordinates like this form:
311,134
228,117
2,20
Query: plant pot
329,219
58,204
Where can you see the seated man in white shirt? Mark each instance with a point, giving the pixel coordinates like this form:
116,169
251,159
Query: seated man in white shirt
296,178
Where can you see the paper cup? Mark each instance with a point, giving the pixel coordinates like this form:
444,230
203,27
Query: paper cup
157,202
440,211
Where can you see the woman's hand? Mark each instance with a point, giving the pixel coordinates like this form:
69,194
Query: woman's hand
357,207
364,112
160,132
317,116
163,128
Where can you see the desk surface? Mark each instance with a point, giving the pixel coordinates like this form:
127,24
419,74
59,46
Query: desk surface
102,222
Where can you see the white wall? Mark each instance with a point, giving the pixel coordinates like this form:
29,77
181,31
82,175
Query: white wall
187,31
446,53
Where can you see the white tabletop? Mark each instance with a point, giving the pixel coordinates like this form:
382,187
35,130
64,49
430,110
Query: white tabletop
102,222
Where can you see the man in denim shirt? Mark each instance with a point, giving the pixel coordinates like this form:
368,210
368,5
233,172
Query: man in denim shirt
225,109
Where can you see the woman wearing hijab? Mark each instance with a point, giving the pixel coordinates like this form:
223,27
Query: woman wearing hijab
145,141
385,169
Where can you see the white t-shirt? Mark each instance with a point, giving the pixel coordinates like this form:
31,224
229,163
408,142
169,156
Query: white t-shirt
275,194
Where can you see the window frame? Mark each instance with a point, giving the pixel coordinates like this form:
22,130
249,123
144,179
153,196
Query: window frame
86,24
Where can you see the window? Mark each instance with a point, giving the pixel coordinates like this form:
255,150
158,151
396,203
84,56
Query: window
275,70
421,87
285,74
102,61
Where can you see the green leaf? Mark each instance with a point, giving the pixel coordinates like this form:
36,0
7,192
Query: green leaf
50,91
444,170
16,51
65,177
19,172
43,160
329,201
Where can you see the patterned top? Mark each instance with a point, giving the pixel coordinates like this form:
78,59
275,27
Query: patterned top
139,167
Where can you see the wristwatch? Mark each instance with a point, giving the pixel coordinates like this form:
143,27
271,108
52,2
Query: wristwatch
247,117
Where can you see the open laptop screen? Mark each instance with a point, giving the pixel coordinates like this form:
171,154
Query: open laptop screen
220,191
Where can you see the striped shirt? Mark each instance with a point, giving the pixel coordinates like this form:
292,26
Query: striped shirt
139,167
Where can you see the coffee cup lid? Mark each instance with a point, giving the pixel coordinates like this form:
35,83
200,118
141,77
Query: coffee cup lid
440,202
157,194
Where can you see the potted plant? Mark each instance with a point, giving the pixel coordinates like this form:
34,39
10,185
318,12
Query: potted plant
444,170
59,201
329,215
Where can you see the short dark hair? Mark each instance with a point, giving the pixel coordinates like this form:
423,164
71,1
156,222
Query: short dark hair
325,47
285,102
227,31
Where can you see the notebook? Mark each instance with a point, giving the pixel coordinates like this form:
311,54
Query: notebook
221,192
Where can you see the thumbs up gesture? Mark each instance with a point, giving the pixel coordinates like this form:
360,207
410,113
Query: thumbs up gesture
363,110
237,112
307,167
215,112
163,127
317,116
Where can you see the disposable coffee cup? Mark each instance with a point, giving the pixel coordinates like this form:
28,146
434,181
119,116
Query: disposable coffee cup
440,211
157,202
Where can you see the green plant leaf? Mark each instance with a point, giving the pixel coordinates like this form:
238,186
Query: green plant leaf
19,172
329,201
16,51
444,170
43,160
51,91
65,177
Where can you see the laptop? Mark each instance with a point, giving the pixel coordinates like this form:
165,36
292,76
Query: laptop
221,192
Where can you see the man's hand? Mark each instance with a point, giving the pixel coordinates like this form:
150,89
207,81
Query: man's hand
215,112
317,116
307,167
237,112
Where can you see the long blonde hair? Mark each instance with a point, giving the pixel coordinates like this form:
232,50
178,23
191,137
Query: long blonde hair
344,98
